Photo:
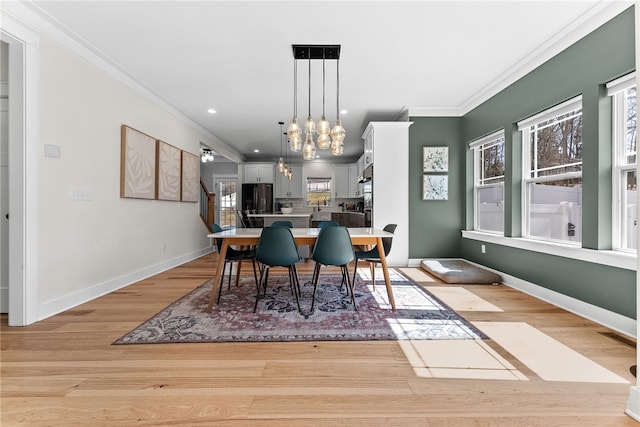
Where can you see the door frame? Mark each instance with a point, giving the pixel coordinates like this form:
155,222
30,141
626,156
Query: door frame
24,80
216,181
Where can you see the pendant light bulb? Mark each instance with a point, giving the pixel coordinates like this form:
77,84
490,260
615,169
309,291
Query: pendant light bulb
309,148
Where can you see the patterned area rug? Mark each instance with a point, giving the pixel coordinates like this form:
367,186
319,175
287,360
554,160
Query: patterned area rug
418,316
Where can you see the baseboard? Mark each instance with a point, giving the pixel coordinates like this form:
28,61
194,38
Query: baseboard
58,305
609,319
4,300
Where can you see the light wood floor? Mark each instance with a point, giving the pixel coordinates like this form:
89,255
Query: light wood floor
64,371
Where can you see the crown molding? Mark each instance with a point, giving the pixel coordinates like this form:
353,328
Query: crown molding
30,15
598,15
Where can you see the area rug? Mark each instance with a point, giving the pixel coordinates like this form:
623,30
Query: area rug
418,316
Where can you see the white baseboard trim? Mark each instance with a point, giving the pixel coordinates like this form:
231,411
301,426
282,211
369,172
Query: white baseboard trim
58,305
633,403
609,319
4,300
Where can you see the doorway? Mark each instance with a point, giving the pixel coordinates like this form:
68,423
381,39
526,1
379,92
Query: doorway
226,196
21,237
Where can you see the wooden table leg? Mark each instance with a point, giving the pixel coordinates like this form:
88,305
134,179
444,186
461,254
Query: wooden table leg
385,271
216,279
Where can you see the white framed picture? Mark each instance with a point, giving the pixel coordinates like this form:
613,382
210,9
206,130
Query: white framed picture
435,187
435,159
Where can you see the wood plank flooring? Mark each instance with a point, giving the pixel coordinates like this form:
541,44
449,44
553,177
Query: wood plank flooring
64,371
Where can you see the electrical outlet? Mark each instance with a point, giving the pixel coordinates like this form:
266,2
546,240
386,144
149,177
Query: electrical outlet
483,249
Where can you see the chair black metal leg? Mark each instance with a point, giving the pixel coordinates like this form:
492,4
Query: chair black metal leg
293,280
263,276
355,271
350,284
230,274
255,274
316,273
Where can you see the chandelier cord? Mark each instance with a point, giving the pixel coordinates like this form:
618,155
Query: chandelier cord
309,83
323,82
338,88
295,88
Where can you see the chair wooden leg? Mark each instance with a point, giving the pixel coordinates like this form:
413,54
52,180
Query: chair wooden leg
372,265
238,268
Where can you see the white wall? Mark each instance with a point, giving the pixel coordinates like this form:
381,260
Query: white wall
84,245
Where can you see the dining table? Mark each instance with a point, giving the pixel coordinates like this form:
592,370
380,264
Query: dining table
366,236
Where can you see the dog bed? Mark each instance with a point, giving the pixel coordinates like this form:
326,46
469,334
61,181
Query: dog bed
459,271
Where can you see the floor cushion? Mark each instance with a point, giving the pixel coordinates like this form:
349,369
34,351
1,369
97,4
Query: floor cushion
459,271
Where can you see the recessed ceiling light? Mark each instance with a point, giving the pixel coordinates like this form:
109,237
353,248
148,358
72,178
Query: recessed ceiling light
256,150
344,112
211,111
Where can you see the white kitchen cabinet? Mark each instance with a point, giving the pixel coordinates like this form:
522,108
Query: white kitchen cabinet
368,147
289,189
341,187
354,187
258,173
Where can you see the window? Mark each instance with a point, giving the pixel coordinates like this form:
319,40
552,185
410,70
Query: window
623,91
318,191
226,202
488,185
552,180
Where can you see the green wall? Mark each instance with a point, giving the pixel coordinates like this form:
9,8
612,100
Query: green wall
435,225
583,68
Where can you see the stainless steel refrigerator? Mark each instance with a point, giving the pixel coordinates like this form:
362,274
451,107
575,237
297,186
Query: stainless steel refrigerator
257,198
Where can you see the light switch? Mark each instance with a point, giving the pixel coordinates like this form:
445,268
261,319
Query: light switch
80,194
51,150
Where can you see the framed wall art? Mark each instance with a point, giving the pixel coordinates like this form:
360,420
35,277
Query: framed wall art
435,187
137,164
190,177
168,172
435,159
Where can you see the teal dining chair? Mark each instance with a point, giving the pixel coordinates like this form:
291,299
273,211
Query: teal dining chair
277,248
323,224
233,255
372,256
288,224
333,247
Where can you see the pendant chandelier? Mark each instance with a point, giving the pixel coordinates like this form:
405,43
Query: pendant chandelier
281,164
326,137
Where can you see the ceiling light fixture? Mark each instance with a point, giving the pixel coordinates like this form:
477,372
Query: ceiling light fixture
327,137
206,155
324,127
337,133
281,159
294,133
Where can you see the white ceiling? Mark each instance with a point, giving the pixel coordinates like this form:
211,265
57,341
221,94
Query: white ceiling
432,57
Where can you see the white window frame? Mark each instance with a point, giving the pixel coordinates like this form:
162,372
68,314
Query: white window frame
616,89
524,126
479,182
